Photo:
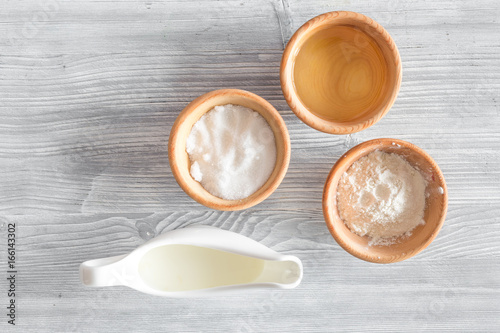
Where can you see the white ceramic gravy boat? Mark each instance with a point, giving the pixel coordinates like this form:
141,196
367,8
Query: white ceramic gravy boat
244,264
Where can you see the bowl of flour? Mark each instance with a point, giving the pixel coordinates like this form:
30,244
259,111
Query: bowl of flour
229,149
385,200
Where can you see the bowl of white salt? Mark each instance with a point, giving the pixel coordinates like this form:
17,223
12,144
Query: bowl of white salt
385,200
229,149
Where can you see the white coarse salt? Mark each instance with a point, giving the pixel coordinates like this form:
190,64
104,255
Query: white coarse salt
232,151
382,196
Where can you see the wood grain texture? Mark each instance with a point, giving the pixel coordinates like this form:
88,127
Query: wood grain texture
90,89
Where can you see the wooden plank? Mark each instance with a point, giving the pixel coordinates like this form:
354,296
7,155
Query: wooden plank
102,145
428,291
77,27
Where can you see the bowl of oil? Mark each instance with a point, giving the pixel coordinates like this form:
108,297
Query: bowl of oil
340,72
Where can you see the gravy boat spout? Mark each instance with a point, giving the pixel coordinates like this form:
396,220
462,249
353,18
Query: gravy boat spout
195,261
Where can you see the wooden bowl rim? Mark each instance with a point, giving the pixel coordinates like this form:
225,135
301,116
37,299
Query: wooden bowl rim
207,199
353,155
286,75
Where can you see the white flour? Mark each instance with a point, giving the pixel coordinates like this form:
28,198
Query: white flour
382,196
232,151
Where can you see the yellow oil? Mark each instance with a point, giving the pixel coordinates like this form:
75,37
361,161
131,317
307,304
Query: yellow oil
340,74
181,267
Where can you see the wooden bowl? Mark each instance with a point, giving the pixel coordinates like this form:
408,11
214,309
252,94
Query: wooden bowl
422,235
179,159
372,112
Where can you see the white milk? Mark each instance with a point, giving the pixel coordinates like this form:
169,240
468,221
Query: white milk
180,267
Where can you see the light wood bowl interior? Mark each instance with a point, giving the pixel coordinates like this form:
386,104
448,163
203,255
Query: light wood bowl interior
422,236
179,159
390,53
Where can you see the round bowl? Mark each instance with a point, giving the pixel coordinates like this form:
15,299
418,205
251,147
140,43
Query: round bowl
179,159
422,235
375,111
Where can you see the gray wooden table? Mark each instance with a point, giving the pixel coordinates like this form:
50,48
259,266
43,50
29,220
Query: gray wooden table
89,91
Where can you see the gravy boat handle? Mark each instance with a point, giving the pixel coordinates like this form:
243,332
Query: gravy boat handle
105,272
